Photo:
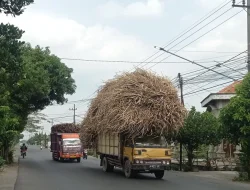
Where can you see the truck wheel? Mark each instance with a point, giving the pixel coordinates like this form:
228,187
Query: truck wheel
53,157
78,160
159,174
129,173
61,159
106,166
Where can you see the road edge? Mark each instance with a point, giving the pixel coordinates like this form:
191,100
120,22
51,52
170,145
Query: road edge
16,160
8,177
17,172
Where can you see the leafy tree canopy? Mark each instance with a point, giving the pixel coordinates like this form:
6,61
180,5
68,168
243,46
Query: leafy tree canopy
199,129
14,7
235,121
34,122
46,80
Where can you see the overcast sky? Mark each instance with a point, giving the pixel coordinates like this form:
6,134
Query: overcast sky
126,30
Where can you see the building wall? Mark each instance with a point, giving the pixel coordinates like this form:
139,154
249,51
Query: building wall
218,105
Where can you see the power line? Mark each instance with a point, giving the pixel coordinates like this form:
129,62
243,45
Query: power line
119,61
197,23
207,88
193,32
71,102
232,62
213,67
200,37
219,52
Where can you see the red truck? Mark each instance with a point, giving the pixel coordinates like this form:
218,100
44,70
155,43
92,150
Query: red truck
66,146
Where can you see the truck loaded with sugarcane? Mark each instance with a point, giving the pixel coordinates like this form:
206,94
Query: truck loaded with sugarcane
128,120
65,142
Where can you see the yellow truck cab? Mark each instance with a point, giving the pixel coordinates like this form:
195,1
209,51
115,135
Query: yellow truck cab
139,155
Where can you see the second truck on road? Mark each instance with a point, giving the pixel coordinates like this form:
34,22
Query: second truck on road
65,142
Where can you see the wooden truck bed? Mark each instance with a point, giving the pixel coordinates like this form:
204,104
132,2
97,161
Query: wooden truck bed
108,144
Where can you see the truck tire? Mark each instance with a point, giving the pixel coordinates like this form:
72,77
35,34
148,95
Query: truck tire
53,157
106,167
159,174
61,159
129,173
78,160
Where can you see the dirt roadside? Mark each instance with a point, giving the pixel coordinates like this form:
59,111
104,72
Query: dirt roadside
9,175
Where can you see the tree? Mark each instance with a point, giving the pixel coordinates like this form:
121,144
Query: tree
8,132
34,121
199,129
39,139
30,78
235,121
15,7
47,80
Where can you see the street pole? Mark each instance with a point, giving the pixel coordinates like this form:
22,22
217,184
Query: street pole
45,140
247,8
74,115
182,102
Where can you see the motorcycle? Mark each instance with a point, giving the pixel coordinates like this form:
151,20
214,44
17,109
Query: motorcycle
23,153
41,147
85,154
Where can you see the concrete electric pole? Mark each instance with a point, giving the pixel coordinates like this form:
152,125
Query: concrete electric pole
74,116
182,102
246,7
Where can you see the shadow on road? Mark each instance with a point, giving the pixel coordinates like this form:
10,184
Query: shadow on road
118,173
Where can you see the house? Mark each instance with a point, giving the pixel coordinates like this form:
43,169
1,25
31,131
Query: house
214,102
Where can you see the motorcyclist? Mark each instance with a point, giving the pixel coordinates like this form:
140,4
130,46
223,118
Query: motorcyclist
23,147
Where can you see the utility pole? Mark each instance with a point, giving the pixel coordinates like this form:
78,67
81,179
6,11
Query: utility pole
182,102
45,140
74,116
247,8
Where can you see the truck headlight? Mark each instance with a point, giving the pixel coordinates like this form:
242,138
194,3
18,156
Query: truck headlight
137,161
163,162
141,162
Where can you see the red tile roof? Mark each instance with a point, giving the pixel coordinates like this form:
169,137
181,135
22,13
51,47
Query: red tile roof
231,88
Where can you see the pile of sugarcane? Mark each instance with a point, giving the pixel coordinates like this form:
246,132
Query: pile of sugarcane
136,104
65,128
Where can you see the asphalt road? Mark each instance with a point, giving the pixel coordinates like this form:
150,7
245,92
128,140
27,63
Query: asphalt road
38,172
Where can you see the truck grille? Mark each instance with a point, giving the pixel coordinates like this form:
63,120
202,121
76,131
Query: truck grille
71,149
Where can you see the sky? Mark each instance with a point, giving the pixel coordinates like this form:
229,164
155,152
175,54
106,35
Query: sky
128,30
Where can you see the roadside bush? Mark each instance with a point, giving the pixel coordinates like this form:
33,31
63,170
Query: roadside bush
175,167
2,162
243,176
11,157
186,167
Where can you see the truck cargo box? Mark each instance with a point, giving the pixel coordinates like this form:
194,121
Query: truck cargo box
108,144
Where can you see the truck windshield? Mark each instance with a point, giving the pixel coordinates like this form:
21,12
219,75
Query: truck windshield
156,142
71,142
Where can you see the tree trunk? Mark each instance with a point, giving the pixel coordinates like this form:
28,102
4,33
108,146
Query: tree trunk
190,159
6,155
248,170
